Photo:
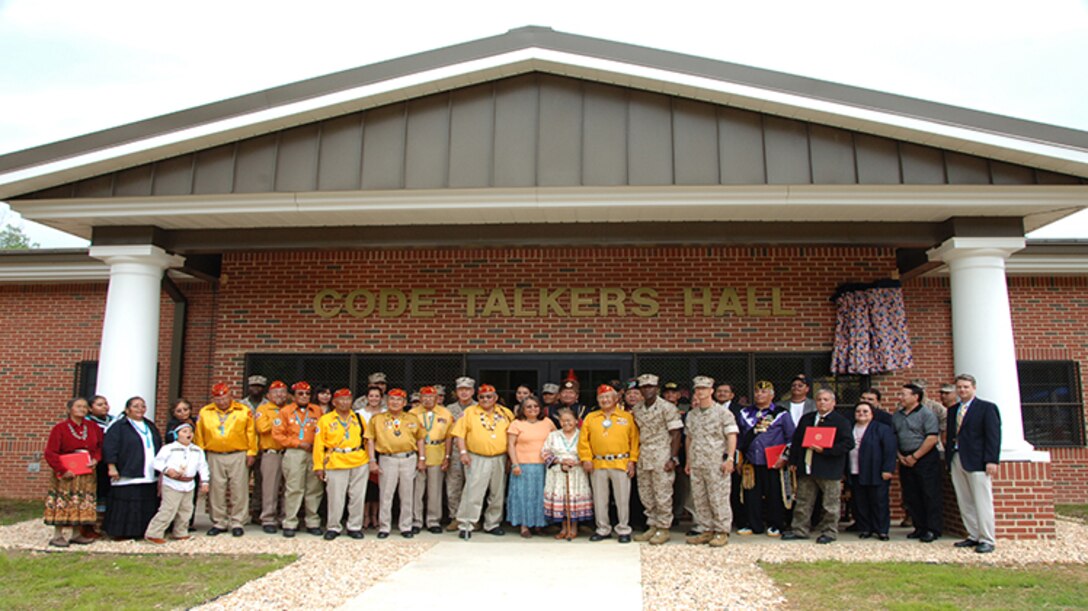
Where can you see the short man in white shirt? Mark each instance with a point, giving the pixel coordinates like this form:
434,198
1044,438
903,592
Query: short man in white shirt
180,463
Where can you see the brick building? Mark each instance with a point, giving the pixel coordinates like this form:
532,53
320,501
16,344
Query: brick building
518,207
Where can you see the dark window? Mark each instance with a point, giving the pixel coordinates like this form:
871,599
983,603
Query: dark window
1050,403
86,379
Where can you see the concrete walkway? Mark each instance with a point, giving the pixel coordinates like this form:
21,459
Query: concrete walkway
539,573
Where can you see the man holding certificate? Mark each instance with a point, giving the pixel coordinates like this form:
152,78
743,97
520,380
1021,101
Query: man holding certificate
818,455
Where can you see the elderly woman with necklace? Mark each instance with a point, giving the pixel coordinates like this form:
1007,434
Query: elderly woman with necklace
567,495
72,451
129,449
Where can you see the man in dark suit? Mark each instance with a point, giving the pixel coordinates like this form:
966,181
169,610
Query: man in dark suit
973,451
820,470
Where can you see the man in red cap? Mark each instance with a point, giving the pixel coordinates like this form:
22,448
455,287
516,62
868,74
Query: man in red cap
294,430
340,460
396,438
270,454
608,449
481,442
437,421
225,431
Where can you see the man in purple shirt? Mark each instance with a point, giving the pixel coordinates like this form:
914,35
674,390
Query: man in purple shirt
763,425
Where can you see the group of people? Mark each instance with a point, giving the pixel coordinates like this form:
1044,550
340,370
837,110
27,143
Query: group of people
324,464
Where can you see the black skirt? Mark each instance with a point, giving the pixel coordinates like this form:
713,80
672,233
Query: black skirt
130,509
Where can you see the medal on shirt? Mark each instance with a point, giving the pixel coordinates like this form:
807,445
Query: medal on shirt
607,424
396,427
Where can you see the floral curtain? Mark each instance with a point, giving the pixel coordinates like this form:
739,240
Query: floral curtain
871,333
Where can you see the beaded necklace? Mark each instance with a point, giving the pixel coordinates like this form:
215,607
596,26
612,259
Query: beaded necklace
82,435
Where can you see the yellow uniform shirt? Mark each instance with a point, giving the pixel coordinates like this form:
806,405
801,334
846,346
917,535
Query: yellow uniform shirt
484,433
613,436
229,431
334,434
394,434
268,415
436,427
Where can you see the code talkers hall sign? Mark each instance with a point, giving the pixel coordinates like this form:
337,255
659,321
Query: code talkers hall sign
561,302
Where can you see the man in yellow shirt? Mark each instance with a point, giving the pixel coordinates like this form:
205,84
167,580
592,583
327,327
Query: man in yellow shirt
396,438
608,449
294,430
271,453
225,431
437,444
481,443
340,460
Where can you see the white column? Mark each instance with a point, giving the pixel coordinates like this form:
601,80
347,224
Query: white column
129,354
982,339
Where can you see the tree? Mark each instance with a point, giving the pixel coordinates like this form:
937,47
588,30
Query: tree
13,238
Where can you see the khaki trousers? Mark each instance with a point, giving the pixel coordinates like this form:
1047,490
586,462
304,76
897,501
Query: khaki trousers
346,487
429,482
175,507
271,477
485,476
398,474
655,491
710,492
301,486
229,473
600,479
975,497
805,503
455,485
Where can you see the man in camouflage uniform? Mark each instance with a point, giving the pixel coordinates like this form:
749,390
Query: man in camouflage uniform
659,427
465,391
711,445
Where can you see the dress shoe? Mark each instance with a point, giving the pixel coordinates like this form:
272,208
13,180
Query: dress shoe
155,540
661,537
464,534
215,531
789,535
595,538
289,532
824,539
928,537
237,531
966,543
497,531
315,531
984,548
331,534
646,535
624,538
435,530
192,528
408,534
268,528
416,530
355,534
916,534
864,535
882,536
383,535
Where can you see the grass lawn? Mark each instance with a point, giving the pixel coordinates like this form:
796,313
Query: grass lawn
38,580
17,510
905,585
1073,511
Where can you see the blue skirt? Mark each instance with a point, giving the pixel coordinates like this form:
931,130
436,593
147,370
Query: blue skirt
525,497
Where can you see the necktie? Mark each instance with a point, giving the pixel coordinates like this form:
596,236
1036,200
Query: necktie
960,415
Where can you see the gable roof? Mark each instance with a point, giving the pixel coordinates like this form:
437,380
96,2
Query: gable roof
536,49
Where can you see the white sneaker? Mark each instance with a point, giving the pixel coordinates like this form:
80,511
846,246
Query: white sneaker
744,531
773,532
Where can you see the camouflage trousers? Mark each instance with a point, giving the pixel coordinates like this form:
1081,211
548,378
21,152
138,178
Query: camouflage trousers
710,491
655,492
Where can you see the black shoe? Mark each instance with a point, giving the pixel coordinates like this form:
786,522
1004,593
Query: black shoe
355,534
864,535
984,548
192,528
383,535
824,539
882,536
928,537
315,531
464,534
407,534
625,538
917,534
966,543
416,530
268,528
215,531
237,531
331,534
497,531
289,532
789,535
435,530
595,538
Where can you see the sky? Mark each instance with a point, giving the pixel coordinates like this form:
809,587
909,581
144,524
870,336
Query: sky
68,67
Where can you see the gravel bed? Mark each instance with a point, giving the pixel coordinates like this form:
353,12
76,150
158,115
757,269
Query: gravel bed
327,573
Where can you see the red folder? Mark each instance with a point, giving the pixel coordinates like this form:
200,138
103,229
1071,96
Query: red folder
78,463
774,453
819,437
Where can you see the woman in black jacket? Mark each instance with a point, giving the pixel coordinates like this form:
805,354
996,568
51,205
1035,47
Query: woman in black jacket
129,452
869,468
